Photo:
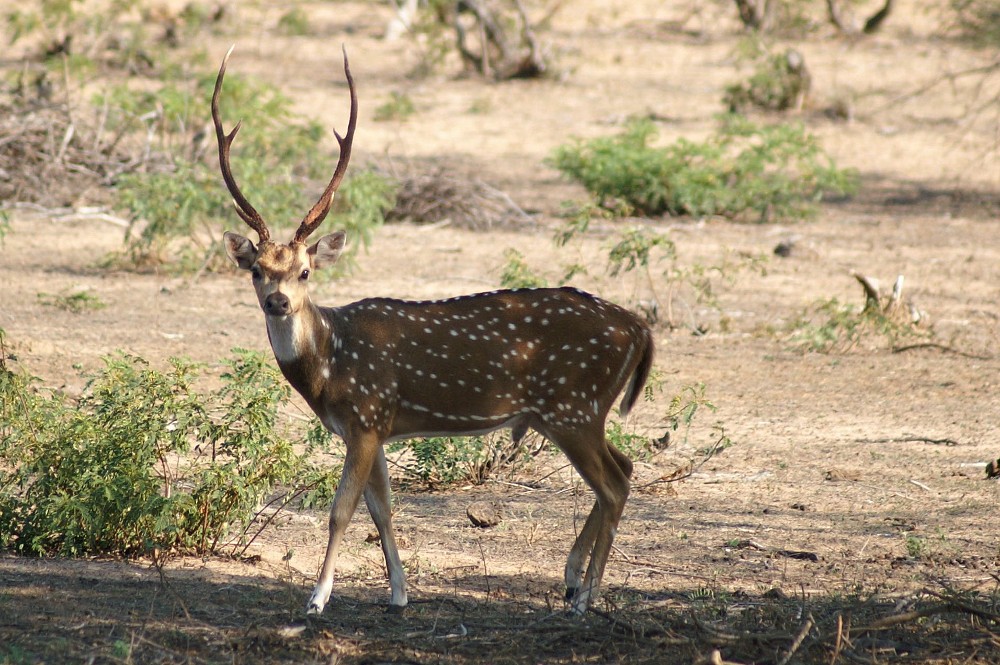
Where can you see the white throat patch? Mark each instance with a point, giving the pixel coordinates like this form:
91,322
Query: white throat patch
286,335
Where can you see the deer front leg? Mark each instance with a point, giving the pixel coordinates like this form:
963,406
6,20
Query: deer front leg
379,505
361,453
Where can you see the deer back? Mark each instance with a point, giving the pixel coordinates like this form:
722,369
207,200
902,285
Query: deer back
548,357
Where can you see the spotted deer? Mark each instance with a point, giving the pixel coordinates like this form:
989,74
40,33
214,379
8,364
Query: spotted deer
381,370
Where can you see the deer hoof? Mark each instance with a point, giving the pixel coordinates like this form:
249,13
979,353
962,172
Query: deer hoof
315,606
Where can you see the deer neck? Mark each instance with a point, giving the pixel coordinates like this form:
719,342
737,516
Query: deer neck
300,339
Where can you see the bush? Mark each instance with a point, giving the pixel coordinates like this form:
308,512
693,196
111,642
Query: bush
641,250
398,107
745,171
779,82
831,326
516,274
442,461
360,207
142,460
978,21
177,211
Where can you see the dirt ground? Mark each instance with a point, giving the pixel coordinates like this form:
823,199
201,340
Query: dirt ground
851,521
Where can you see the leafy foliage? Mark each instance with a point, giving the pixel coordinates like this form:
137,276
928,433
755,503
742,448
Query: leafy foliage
399,106
76,301
635,446
643,251
745,171
77,38
634,248
184,204
978,21
680,415
780,81
142,459
177,211
443,461
434,36
294,22
516,274
830,326
364,199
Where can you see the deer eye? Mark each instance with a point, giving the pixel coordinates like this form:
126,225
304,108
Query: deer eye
256,274
305,275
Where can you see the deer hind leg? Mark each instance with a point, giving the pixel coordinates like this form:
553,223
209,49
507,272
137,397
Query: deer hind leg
607,473
584,543
380,507
361,454
621,459
582,547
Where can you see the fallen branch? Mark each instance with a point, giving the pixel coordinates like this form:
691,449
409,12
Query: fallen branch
911,439
797,642
940,347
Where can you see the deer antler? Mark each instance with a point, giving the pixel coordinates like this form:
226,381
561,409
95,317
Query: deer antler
243,207
319,211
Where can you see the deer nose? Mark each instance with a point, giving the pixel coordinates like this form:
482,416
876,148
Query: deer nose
277,304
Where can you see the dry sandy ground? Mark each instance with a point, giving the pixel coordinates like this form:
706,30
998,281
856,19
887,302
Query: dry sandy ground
855,458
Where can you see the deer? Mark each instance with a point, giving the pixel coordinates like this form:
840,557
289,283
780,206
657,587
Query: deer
381,370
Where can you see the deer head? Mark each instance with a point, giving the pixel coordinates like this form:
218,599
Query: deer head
281,272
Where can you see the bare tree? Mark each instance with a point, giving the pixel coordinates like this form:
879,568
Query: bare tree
756,14
848,25
760,15
495,52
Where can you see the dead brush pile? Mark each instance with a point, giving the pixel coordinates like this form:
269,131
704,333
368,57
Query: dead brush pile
445,197
52,158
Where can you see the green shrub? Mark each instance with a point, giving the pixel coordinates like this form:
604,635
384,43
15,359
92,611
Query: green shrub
366,196
295,22
142,459
178,212
977,21
76,301
635,446
516,274
780,81
399,106
745,171
830,326
652,257
444,461
75,37
174,215
680,415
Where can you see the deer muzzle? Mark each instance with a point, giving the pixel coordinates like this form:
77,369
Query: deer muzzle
277,304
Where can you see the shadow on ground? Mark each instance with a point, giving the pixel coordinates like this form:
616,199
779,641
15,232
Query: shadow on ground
112,612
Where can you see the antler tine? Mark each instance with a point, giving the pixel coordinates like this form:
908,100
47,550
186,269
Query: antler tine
319,211
243,208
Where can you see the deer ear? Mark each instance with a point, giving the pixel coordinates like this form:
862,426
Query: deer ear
327,250
240,250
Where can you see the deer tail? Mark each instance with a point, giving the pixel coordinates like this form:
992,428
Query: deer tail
640,375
